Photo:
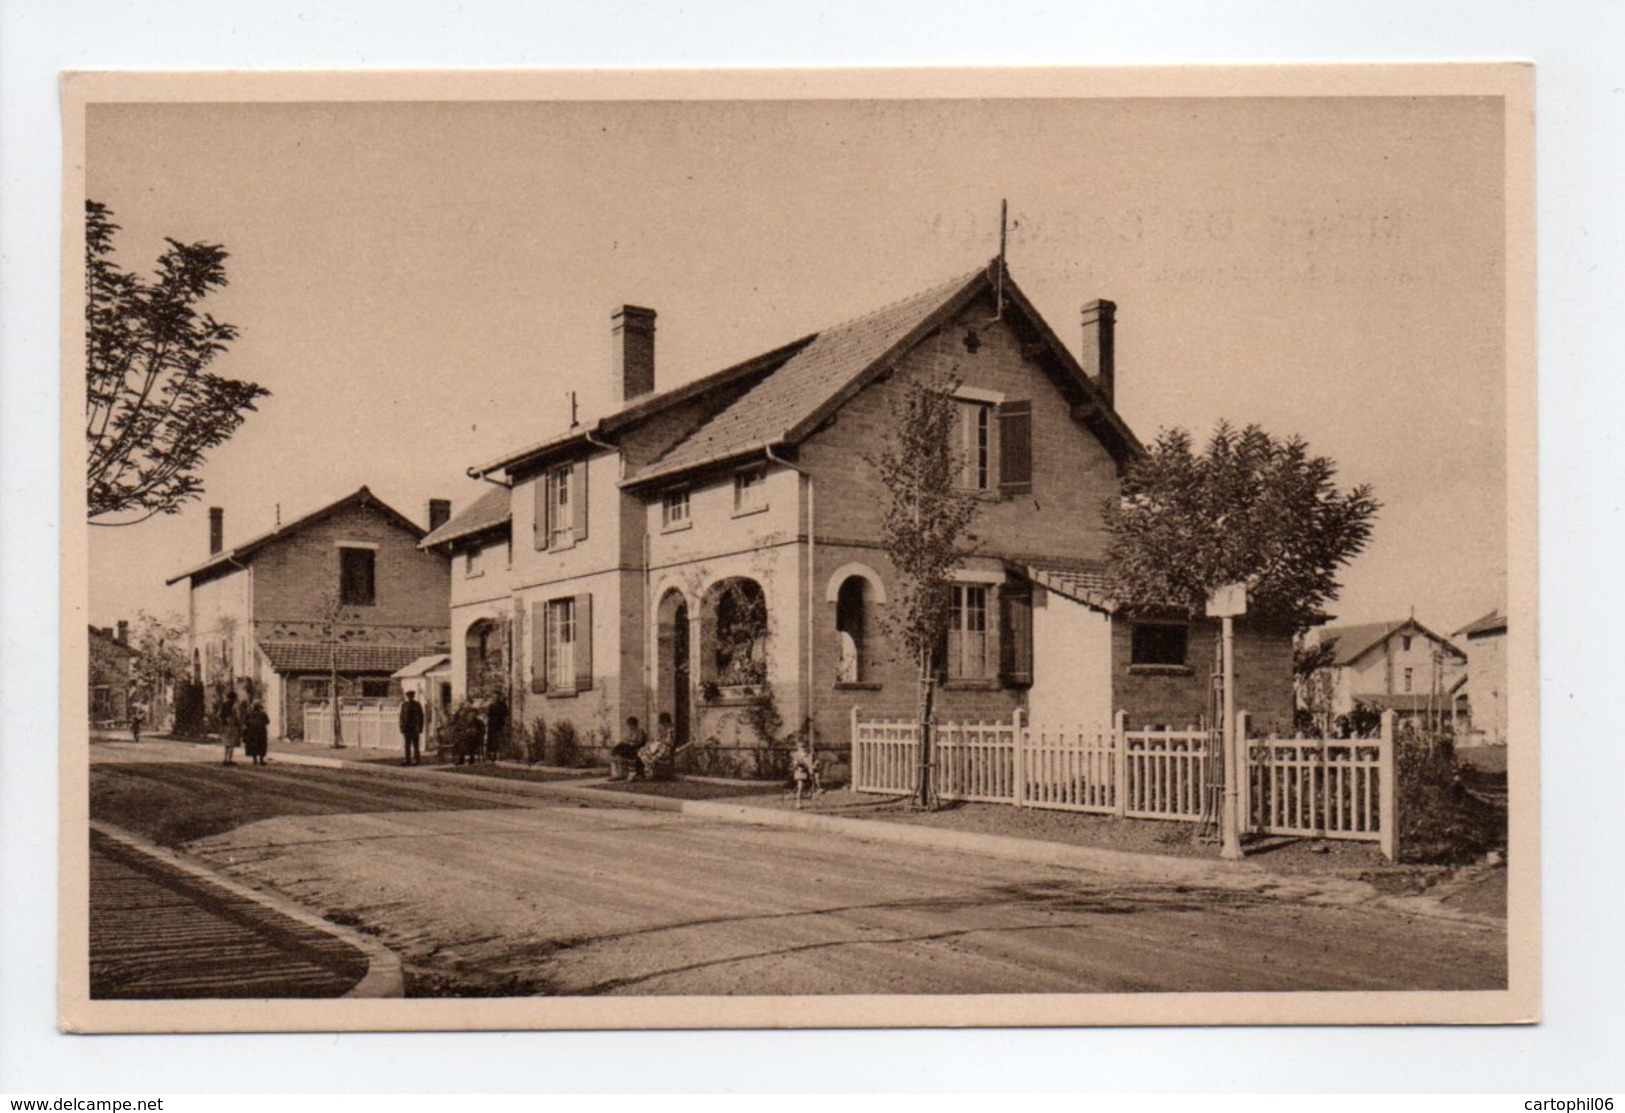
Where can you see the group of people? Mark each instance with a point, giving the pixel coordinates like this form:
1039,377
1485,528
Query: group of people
244,722
637,756
475,733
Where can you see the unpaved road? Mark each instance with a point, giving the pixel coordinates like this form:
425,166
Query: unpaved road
511,895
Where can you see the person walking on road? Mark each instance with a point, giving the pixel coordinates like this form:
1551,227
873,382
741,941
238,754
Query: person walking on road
135,724
412,728
257,733
231,727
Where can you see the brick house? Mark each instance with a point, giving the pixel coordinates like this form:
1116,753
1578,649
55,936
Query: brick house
344,589
1399,665
619,563
111,660
1487,677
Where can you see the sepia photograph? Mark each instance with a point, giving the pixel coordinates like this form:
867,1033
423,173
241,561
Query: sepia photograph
784,549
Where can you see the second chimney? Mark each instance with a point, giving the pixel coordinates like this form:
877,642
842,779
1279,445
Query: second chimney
1099,344
439,513
217,529
123,635
634,352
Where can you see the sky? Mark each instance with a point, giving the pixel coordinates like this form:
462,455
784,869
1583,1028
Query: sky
422,285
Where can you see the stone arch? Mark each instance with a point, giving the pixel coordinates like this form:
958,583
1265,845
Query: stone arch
877,590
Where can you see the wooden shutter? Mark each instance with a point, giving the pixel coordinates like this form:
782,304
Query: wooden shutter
539,526
538,648
1016,448
578,501
1016,633
583,642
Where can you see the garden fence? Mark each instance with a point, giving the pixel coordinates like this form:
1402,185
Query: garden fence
373,723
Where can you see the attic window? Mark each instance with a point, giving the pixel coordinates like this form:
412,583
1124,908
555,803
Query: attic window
750,491
972,341
356,584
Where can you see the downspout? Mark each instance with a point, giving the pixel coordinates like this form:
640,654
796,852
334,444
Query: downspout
807,677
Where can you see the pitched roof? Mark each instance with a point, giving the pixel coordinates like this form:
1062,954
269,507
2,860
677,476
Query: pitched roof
1085,583
1406,701
1350,643
112,641
317,657
491,510
768,412
423,666
1493,623
245,549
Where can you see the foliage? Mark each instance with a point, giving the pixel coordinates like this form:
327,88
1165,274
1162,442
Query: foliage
1250,508
564,745
1362,721
923,525
1313,682
536,743
153,408
740,633
190,713
1439,819
490,675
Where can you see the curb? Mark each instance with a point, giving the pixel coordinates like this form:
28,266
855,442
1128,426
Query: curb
384,976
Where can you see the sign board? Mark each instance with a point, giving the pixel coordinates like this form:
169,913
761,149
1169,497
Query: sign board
1227,601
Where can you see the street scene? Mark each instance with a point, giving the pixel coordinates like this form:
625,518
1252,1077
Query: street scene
1003,587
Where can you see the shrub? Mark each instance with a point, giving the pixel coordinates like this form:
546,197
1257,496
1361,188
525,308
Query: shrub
1439,820
536,743
189,711
566,744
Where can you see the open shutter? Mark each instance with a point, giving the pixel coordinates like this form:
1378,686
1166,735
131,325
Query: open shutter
1016,448
583,642
538,648
539,525
578,501
1016,633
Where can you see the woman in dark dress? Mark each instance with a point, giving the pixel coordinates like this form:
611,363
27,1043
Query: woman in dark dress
256,733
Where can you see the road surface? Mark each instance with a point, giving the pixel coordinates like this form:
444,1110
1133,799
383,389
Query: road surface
489,893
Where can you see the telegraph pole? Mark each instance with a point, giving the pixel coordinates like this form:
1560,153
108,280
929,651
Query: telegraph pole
1225,603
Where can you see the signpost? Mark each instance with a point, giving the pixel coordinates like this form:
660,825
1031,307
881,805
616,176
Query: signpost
1226,603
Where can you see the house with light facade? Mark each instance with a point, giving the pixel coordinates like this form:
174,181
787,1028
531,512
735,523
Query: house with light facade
1400,666
712,551
1486,689
330,603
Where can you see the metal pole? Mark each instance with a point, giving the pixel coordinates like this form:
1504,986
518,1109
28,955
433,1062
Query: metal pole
1230,818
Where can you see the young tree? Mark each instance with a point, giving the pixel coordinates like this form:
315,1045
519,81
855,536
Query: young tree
159,668
923,530
1250,508
1313,684
153,408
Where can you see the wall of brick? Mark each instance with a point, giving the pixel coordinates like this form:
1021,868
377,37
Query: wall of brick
1153,696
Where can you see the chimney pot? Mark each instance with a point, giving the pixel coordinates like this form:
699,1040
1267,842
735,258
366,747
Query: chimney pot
123,632
217,529
439,513
634,332
1098,357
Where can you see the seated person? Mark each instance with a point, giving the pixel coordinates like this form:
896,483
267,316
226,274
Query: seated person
656,756
623,758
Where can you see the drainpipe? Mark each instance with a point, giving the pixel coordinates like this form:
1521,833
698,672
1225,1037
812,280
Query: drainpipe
807,678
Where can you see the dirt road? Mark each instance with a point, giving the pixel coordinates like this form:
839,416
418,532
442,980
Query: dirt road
507,895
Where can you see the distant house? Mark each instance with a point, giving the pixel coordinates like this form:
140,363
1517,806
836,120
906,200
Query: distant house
1487,677
341,593
717,544
111,659
1401,666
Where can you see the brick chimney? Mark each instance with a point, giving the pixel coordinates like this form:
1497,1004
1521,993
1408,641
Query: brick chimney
634,352
1099,344
123,635
439,513
217,529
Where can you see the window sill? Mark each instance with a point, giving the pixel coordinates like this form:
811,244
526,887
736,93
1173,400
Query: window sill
676,527
562,693
857,685
474,575
969,685
1161,670
736,695
749,510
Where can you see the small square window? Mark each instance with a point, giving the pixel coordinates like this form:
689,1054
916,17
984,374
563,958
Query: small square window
1159,644
375,689
674,509
471,562
1405,643
750,491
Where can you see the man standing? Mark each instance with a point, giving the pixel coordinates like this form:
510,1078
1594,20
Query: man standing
411,728
496,726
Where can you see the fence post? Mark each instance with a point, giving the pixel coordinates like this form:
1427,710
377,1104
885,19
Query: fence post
1244,770
1388,790
1018,765
852,741
1120,756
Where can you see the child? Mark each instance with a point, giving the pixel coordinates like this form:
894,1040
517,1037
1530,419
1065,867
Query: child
804,768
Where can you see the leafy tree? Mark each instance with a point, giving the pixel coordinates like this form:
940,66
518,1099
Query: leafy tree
1313,684
159,667
153,409
1250,507
923,531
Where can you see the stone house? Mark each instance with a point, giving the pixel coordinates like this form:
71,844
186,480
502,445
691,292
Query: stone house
1486,689
713,551
1399,665
111,661
343,593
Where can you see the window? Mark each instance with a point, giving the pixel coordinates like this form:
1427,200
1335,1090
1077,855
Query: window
750,492
1410,675
313,691
733,634
561,645
1405,643
974,437
849,624
559,513
1159,643
674,509
967,633
471,562
356,588
374,689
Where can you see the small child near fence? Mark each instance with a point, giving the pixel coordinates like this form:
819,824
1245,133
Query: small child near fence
804,770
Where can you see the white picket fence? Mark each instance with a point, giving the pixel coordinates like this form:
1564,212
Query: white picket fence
1316,787
373,723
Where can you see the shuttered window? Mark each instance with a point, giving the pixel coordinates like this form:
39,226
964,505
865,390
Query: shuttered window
1016,634
540,531
561,645
967,633
1016,448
